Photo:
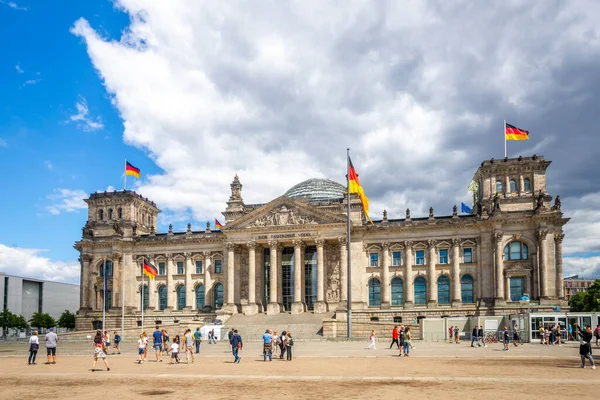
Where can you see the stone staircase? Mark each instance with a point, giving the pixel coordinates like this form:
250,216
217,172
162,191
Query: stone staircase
304,327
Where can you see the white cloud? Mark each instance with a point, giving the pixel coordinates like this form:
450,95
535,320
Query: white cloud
29,263
13,5
84,121
583,231
66,200
3,143
49,165
588,267
31,82
18,68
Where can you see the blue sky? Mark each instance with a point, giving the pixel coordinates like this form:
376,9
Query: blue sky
194,92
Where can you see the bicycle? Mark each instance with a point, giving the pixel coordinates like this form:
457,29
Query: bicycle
491,338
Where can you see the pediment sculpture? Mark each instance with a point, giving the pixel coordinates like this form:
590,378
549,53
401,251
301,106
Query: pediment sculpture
281,217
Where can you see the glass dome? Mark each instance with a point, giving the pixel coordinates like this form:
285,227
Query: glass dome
317,190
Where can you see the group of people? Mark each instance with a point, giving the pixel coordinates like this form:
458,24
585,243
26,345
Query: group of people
51,339
401,336
550,335
272,342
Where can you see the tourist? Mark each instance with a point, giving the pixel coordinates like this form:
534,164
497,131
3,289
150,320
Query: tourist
542,332
372,340
51,340
34,345
175,350
505,337
229,336
289,343
395,337
236,346
570,332
456,335
198,339
558,332
480,335
474,337
407,339
117,341
165,342
597,333
268,345
275,345
141,348
585,346
98,352
400,340
552,332
107,342
516,338
281,344
212,337
145,345
450,334
157,336
188,338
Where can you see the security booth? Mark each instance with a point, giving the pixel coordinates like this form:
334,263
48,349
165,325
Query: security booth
566,320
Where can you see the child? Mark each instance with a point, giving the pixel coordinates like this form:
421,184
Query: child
117,341
145,339
98,352
141,348
107,340
175,350
372,339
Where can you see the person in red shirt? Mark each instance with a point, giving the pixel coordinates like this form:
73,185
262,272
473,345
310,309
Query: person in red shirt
395,337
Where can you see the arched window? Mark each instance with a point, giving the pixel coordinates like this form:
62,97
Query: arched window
420,290
466,289
199,297
108,300
162,297
218,296
526,184
374,293
513,186
101,215
120,213
397,291
443,290
516,251
145,296
498,186
110,214
109,268
181,297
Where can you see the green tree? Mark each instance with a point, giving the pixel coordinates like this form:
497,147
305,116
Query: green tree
578,301
19,322
42,320
67,320
6,321
592,298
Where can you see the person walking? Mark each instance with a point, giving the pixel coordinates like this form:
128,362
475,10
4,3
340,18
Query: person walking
372,340
268,345
141,347
98,352
34,345
236,346
229,336
198,339
480,335
188,338
474,338
289,343
281,344
165,342
117,341
456,335
516,336
585,345
275,346
558,333
597,333
395,337
450,334
51,341
145,345
505,337
175,350
107,342
157,337
407,339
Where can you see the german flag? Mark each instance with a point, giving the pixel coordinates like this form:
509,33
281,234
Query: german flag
131,170
150,270
355,187
218,224
514,133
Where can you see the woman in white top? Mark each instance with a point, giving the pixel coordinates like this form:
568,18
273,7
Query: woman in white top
34,345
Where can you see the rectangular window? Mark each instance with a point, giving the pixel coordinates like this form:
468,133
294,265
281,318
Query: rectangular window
180,267
374,260
467,255
198,267
218,269
161,268
444,256
396,259
420,257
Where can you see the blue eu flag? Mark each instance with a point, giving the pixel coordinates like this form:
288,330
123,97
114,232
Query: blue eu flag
465,208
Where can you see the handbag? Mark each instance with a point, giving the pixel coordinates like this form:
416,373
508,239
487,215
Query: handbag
34,347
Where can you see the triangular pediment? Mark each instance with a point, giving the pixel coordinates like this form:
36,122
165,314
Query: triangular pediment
286,212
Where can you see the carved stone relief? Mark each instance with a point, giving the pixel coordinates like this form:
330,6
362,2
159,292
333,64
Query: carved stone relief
244,275
332,264
281,217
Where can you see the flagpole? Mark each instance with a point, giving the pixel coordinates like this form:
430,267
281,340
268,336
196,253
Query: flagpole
349,324
123,301
104,296
125,177
504,138
142,291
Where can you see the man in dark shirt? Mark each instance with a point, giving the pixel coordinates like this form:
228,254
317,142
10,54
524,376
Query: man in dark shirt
158,341
480,335
505,338
236,345
229,336
474,337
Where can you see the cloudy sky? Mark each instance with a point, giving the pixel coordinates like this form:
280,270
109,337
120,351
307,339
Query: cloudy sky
193,92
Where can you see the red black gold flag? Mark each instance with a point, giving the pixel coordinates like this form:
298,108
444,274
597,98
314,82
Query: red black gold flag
514,133
355,187
150,270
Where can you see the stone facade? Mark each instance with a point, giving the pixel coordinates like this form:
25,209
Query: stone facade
291,255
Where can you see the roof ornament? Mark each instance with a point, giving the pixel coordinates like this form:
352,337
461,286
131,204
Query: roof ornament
189,228
430,212
385,218
170,229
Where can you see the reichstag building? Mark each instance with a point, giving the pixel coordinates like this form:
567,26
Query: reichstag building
290,254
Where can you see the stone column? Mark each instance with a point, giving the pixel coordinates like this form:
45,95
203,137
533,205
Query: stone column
298,304
456,295
273,307
507,287
558,257
230,305
84,291
521,184
431,278
408,280
171,296
507,187
116,280
189,290
207,279
542,234
320,306
92,283
251,308
385,276
343,240
499,254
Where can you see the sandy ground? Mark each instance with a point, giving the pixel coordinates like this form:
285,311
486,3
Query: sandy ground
321,370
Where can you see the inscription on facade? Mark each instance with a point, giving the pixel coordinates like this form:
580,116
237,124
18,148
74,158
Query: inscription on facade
286,235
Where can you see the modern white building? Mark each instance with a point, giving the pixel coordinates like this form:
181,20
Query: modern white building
25,296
